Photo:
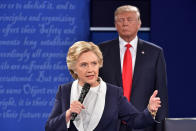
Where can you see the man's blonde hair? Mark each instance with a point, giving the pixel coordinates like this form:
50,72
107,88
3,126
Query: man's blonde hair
126,8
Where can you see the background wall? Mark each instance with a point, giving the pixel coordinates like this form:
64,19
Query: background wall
173,27
34,39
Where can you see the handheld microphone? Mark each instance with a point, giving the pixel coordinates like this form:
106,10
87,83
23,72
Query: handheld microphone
83,93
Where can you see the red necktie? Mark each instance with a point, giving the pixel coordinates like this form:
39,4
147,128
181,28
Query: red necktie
127,73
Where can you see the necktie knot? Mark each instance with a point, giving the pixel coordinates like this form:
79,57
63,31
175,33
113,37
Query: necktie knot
128,46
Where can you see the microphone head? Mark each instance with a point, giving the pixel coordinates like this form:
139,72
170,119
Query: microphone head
86,87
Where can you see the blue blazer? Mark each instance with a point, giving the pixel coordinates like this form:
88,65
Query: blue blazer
149,75
116,108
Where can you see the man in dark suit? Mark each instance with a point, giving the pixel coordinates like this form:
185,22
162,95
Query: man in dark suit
148,64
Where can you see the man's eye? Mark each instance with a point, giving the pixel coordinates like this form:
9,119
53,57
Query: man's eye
94,63
121,20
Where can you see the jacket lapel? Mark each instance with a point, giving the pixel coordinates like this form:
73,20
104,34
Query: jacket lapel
138,62
67,96
117,62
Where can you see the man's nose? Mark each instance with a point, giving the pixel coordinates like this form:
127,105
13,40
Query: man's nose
125,22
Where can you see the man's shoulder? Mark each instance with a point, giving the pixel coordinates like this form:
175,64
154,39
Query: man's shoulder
149,45
108,43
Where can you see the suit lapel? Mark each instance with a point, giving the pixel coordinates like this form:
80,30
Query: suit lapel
138,62
117,62
67,96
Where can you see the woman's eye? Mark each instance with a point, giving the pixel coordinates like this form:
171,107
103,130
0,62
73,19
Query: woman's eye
83,64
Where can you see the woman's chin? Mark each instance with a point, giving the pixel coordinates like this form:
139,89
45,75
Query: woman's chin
92,82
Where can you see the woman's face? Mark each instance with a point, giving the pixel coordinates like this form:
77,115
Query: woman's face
87,68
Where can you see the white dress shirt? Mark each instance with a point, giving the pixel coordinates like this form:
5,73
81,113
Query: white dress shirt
133,50
89,104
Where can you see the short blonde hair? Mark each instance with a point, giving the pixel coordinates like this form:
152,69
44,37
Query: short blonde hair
126,8
79,48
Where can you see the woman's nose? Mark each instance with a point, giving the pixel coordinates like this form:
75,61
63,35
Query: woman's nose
90,68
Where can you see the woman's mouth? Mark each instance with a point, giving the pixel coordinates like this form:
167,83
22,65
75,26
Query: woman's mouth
90,76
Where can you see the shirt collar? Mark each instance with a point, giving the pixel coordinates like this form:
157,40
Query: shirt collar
133,42
92,89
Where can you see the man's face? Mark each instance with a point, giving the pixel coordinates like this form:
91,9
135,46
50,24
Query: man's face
127,24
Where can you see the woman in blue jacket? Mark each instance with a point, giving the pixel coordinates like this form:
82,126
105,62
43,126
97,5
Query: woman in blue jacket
104,104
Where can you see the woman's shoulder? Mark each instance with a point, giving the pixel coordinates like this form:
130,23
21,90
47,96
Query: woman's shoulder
112,87
66,86
114,92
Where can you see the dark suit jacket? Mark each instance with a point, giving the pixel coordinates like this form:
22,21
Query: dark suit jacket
116,107
149,75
